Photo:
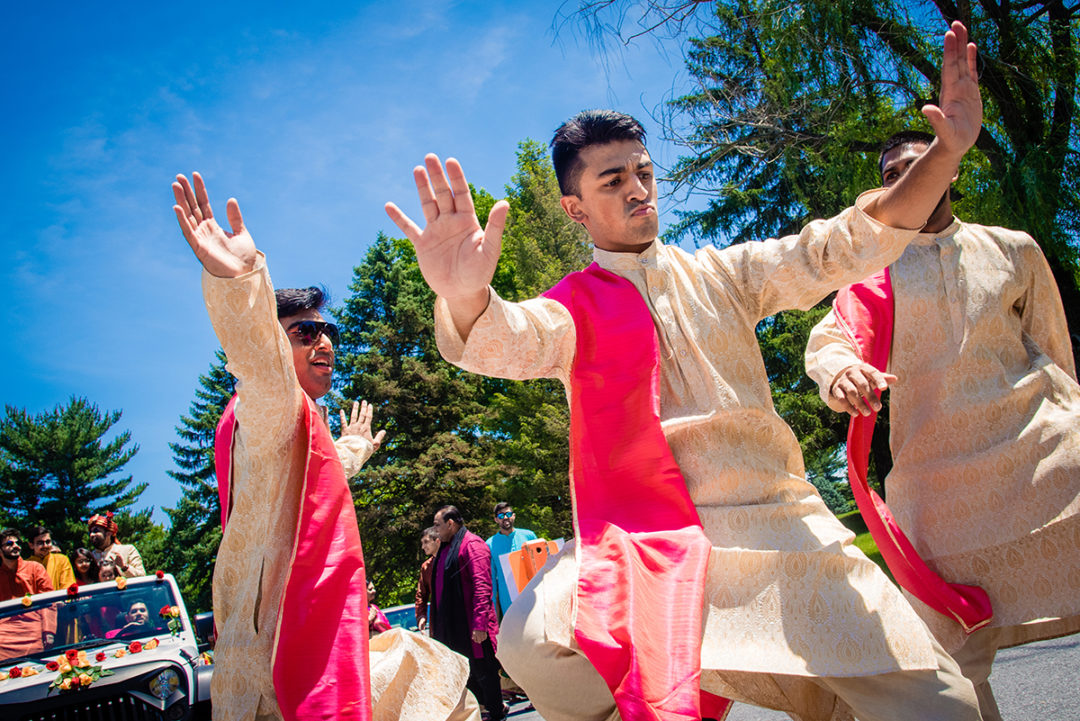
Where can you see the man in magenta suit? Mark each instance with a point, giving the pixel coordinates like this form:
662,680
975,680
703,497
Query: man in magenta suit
462,615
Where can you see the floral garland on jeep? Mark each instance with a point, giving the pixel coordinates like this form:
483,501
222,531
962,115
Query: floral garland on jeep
74,667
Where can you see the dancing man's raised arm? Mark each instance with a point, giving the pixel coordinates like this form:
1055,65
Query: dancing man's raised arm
456,256
956,120
240,301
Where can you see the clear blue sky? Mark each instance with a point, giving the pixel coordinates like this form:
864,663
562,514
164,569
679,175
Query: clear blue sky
311,114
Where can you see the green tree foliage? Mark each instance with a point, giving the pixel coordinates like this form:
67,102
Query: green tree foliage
57,469
195,523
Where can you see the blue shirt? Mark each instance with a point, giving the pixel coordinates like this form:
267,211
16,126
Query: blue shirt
500,545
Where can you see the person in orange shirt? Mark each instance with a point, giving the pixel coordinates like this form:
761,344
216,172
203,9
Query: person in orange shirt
27,632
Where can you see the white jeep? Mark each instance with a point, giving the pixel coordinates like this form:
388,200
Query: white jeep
114,650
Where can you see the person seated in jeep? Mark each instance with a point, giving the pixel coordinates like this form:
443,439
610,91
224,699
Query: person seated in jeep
137,622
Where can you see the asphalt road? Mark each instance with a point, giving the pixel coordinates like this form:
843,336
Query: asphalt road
1040,681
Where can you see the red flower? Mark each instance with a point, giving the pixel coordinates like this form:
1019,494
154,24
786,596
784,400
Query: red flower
71,654
164,611
100,656
135,646
73,589
160,574
75,680
14,672
52,666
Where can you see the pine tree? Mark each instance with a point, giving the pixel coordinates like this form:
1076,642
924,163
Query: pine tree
195,532
57,469
435,451
531,420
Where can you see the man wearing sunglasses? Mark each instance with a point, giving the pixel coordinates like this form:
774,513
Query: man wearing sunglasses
289,585
507,540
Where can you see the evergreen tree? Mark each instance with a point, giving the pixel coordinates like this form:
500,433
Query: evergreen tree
195,523
531,420
435,451
57,469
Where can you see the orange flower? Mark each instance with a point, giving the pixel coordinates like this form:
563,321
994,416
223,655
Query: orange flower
120,653
150,645
85,680
121,582
65,667
26,600
65,684
82,661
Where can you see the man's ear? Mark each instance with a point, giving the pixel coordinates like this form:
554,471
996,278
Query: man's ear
571,204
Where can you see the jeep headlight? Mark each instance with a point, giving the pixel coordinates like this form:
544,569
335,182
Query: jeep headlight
164,683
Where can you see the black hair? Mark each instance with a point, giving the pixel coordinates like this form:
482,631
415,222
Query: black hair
291,301
589,127
37,531
4,534
904,137
503,506
450,513
92,572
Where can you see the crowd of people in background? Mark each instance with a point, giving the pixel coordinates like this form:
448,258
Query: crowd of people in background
49,569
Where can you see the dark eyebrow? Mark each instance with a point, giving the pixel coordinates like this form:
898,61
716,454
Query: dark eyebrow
621,169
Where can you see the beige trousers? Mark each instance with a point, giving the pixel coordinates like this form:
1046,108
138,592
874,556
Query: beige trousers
563,685
975,659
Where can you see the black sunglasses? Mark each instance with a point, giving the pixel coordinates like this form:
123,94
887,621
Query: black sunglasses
308,331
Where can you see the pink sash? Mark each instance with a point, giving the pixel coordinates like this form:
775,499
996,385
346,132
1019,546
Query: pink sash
864,312
642,549
320,660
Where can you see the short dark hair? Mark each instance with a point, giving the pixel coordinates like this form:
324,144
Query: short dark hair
429,532
450,513
589,127
503,506
8,532
37,531
291,301
904,137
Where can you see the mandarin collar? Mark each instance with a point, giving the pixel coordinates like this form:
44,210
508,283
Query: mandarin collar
615,262
941,237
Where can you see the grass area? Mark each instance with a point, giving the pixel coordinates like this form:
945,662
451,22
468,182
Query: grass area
863,540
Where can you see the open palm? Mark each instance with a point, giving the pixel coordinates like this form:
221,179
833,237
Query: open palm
224,254
456,256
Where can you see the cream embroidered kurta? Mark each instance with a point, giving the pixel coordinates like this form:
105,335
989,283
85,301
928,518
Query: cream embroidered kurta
128,554
267,477
984,424
786,592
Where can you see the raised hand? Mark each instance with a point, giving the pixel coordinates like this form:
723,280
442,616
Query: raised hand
958,119
224,254
853,389
359,423
456,256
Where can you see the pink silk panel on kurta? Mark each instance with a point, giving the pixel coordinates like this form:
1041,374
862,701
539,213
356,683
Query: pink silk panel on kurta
864,311
642,550
320,662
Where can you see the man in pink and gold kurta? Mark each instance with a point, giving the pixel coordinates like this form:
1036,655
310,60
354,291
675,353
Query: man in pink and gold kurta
984,422
795,617
289,586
